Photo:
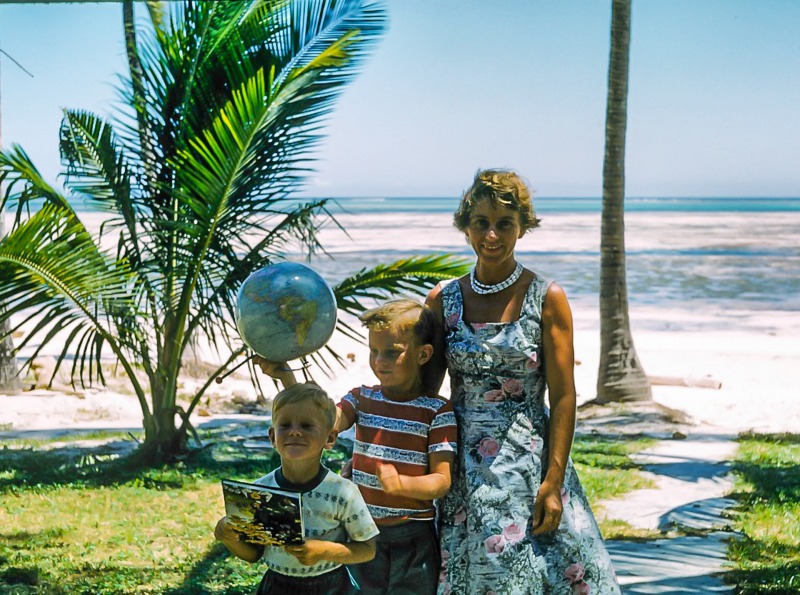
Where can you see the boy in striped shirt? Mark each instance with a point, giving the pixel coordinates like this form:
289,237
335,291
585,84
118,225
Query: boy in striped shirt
404,449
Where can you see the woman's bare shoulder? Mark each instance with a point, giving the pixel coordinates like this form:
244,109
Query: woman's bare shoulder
556,305
434,298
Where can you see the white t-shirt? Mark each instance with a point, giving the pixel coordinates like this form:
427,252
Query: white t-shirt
333,510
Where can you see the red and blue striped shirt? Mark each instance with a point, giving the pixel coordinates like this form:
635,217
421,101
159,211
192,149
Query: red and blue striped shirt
402,434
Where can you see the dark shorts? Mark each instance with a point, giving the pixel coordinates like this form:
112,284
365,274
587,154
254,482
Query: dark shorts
335,582
407,561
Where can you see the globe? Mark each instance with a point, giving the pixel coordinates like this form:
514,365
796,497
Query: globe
285,311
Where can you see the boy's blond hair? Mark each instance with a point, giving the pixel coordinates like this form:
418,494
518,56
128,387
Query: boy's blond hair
307,393
402,316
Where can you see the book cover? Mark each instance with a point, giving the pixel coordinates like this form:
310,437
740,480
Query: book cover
262,514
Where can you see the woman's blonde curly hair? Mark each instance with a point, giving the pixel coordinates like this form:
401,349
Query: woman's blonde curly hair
503,188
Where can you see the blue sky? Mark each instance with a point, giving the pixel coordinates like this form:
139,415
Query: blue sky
455,85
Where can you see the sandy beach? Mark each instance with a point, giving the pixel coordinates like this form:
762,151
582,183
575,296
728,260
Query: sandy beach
753,355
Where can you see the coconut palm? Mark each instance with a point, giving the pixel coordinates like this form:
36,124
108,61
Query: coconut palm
225,102
620,376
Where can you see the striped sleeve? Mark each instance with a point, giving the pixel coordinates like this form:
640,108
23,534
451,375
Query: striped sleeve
443,435
349,406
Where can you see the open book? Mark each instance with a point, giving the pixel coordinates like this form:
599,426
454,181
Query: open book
264,515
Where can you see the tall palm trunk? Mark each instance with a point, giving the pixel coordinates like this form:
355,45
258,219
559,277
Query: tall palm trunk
620,376
9,379
9,372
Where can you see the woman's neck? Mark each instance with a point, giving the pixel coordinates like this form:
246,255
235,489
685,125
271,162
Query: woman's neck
491,274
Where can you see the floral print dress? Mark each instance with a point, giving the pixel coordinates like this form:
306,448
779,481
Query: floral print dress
497,389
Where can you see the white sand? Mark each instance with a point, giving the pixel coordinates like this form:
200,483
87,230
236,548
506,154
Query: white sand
755,355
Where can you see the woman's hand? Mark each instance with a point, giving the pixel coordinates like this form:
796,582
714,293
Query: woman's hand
547,508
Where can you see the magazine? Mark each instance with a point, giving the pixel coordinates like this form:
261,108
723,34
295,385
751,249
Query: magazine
264,515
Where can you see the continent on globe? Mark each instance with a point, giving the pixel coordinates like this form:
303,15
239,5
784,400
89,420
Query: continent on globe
285,311
299,313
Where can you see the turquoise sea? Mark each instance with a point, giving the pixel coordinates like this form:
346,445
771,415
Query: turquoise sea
580,205
722,255
700,253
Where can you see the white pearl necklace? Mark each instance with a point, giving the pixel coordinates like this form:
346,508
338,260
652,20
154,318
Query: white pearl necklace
483,289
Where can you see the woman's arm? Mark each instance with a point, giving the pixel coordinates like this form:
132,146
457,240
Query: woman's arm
433,485
433,372
559,361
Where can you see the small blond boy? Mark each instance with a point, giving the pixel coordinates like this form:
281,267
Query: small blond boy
338,527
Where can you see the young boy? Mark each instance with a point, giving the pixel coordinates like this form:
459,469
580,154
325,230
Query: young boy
338,526
404,448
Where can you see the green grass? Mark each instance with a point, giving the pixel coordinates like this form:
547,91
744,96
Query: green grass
102,525
607,471
90,522
767,553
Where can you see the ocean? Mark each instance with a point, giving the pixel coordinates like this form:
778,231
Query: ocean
726,258
695,253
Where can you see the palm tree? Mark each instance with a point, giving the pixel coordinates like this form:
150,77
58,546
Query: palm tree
226,101
620,376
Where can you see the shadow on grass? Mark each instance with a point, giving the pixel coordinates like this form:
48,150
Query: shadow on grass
767,551
40,469
223,455
783,579
211,570
608,452
213,574
771,468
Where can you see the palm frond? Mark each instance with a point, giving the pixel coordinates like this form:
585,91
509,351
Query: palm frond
95,165
326,27
415,275
52,271
26,189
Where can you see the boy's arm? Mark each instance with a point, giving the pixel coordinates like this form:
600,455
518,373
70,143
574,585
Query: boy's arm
341,423
316,550
278,370
423,487
347,411
248,552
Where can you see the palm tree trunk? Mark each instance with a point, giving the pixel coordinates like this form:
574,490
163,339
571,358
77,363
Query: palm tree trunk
620,376
163,441
9,378
9,371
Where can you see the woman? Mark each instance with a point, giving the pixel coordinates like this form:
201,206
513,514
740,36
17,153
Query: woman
516,519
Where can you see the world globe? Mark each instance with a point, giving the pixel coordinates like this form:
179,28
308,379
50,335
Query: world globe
285,311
